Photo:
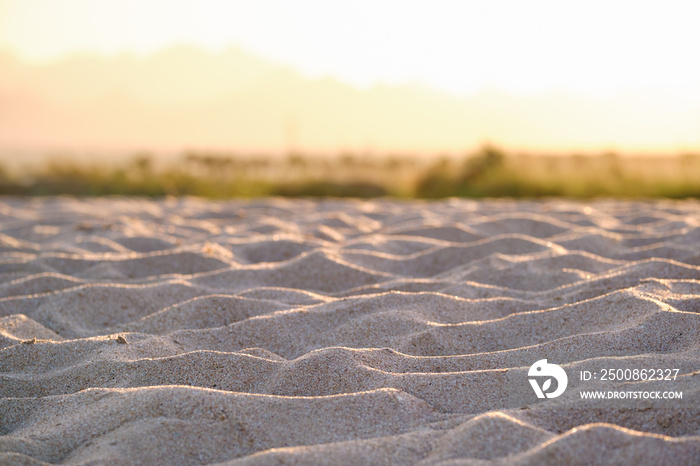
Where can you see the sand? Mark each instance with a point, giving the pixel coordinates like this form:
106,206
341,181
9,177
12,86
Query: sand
184,331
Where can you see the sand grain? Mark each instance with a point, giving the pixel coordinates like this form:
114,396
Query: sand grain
279,331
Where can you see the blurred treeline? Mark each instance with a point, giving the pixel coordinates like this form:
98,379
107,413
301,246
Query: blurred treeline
488,172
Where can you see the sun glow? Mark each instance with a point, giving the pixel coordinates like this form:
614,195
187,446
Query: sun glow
640,54
459,46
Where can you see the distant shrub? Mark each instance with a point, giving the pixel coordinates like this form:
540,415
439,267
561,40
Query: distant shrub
328,189
489,172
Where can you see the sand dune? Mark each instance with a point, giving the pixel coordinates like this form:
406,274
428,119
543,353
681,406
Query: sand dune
278,331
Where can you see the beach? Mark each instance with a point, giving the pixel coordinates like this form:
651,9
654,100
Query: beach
297,331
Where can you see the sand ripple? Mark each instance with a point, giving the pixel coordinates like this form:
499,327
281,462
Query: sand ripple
366,332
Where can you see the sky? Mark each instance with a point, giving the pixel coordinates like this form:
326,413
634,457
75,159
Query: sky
524,47
629,66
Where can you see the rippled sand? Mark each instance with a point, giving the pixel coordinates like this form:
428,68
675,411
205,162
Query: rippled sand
380,332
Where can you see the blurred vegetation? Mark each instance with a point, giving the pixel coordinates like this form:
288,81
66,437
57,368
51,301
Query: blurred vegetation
488,172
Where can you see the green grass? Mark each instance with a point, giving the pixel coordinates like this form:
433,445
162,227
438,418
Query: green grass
488,172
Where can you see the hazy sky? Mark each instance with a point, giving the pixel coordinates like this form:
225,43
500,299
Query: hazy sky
461,46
